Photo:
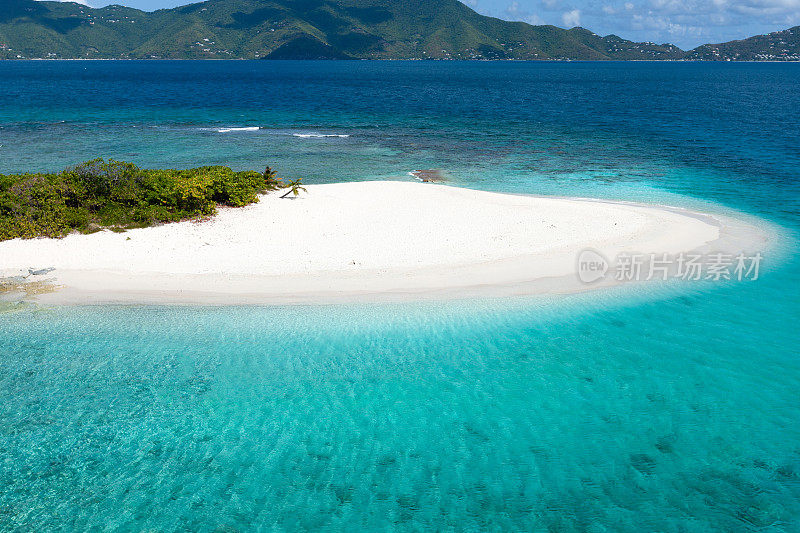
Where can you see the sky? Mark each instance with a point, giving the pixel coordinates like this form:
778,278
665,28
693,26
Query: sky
686,23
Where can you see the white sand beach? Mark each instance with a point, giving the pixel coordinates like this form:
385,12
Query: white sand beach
366,240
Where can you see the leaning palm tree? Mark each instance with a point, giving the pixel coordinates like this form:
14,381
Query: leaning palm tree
294,187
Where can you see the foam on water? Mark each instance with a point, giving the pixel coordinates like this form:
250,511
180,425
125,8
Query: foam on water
229,130
250,129
319,135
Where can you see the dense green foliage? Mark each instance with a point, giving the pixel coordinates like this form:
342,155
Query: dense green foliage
120,195
307,29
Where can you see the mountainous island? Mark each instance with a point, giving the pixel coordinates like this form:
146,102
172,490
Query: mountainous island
330,29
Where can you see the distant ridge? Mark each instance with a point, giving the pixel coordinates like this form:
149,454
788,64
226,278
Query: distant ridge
777,46
329,29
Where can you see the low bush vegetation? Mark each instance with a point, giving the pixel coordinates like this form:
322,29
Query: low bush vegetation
120,195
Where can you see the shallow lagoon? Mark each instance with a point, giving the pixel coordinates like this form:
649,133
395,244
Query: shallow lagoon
661,408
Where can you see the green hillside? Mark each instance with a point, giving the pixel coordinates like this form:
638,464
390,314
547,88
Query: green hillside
777,46
309,29
321,29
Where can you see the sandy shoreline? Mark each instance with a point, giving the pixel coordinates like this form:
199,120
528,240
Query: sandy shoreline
367,241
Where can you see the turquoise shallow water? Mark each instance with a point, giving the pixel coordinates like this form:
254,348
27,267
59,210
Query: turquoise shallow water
658,408
566,415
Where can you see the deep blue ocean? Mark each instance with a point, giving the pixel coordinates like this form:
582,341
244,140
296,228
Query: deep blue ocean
648,408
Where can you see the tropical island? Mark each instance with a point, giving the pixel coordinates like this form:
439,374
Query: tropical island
331,29
111,232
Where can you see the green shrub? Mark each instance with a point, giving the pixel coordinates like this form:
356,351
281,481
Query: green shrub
120,195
